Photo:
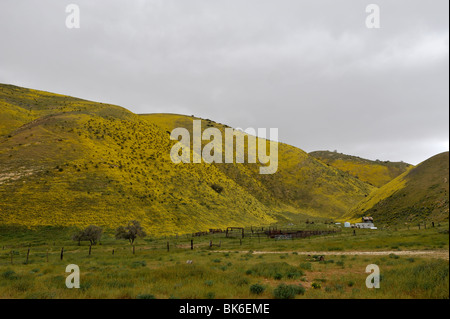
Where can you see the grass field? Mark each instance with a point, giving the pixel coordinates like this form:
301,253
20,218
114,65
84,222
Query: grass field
239,268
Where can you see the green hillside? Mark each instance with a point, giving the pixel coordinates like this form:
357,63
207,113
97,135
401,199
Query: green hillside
420,194
66,161
376,173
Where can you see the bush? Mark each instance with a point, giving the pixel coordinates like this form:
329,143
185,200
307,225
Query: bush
9,274
257,289
276,270
316,285
278,276
138,263
306,266
294,275
284,291
242,282
300,290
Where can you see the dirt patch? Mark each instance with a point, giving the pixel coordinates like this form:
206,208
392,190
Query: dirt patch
13,176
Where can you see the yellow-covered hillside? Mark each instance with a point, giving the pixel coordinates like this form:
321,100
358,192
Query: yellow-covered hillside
66,161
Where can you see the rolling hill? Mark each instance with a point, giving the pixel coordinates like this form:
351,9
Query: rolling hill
419,194
66,161
376,173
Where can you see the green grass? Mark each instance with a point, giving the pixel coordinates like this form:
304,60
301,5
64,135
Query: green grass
152,272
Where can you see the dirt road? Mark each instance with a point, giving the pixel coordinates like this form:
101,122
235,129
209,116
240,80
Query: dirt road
442,254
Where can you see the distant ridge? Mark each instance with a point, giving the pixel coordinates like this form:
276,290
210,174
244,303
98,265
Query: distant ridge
420,194
376,173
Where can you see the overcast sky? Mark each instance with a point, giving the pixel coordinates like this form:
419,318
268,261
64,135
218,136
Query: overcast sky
310,68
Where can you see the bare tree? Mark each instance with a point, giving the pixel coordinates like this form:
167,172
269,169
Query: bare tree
91,233
130,232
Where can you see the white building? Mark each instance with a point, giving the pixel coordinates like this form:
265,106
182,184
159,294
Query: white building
367,222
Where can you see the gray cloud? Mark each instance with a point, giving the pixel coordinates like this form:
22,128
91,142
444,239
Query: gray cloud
310,68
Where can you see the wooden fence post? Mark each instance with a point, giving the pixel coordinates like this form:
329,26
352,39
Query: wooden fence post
28,254
62,253
192,244
90,247
113,252
168,247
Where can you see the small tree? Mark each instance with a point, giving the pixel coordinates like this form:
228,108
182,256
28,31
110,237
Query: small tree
131,231
91,233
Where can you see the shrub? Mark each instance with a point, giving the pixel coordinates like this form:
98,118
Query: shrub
300,290
316,285
284,291
276,270
293,275
278,276
257,289
9,274
138,263
306,266
242,282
